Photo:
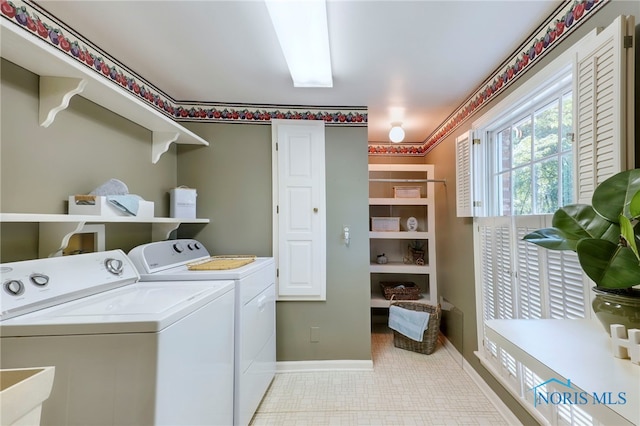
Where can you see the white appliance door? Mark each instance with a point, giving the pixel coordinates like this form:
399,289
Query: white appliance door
196,367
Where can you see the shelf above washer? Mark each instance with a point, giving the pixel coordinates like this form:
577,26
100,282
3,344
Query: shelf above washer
62,77
56,229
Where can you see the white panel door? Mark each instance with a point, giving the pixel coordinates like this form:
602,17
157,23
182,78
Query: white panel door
299,199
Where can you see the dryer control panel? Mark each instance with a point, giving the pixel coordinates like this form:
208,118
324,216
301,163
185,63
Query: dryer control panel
161,255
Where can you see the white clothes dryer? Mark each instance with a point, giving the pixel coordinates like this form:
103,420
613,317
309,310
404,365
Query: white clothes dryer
126,353
255,311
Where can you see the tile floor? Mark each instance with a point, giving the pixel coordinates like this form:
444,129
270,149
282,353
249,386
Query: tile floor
404,388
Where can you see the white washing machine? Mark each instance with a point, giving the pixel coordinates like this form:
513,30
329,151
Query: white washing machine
125,352
255,321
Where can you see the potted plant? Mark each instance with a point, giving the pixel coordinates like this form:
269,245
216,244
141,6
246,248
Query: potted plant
416,250
606,236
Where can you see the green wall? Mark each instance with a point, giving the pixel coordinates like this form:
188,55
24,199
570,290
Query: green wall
455,235
234,185
84,147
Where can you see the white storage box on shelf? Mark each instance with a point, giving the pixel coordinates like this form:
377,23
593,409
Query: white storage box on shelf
183,202
406,192
102,207
385,224
22,392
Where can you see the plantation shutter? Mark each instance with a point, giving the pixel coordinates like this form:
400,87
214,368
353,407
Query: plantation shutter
464,184
566,285
601,89
509,368
529,269
505,300
568,291
484,257
496,268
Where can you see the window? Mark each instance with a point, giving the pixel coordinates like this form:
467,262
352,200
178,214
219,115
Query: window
531,156
547,144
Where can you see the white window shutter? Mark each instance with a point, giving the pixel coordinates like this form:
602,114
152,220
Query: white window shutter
504,283
530,297
496,268
484,256
464,184
568,287
600,108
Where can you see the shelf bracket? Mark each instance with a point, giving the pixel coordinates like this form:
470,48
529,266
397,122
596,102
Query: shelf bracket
160,144
55,94
54,237
162,231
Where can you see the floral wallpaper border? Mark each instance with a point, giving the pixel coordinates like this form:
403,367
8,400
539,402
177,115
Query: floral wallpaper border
566,20
37,22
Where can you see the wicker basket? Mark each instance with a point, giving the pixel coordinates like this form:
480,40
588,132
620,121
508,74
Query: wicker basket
410,291
430,336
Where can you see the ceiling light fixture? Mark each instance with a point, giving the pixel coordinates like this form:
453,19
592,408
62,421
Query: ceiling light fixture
396,134
301,27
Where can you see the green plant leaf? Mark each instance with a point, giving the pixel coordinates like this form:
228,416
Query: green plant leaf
579,221
626,230
552,239
608,264
634,207
613,196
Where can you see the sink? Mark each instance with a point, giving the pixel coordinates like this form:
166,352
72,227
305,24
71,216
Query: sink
22,392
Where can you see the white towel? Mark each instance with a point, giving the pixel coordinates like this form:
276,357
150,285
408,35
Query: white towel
127,203
408,322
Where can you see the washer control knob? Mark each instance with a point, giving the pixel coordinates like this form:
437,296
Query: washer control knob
191,246
40,280
178,247
114,266
14,287
196,246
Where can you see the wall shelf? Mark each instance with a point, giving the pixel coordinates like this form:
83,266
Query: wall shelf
394,244
399,268
399,201
62,77
378,300
400,235
57,229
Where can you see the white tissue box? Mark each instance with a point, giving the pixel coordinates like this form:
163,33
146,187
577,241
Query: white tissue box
183,203
102,207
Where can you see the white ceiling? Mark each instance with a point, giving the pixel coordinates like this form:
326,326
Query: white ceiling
409,61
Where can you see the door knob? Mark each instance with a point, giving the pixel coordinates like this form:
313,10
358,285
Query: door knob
315,210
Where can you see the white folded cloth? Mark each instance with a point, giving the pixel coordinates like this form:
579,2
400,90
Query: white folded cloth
408,322
128,203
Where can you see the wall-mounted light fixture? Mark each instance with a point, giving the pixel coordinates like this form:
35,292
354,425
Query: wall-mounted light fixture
303,33
396,134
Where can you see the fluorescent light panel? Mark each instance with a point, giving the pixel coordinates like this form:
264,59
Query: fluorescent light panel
301,27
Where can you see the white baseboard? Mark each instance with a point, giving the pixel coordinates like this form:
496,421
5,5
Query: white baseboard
495,400
328,365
